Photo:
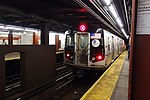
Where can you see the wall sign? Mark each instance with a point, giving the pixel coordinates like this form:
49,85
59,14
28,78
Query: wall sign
143,17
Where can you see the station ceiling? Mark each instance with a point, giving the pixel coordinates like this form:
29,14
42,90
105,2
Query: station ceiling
63,14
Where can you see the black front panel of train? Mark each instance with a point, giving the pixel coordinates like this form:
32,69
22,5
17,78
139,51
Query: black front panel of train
69,52
97,48
69,47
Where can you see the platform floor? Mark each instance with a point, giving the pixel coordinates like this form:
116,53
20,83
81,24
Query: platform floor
113,84
121,89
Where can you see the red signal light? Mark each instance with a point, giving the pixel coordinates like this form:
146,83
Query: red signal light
82,27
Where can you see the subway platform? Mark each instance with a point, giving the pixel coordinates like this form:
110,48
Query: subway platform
113,84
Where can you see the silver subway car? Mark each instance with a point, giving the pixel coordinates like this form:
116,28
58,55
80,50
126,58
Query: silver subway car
85,50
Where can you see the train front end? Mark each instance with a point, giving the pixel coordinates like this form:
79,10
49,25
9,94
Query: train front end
85,50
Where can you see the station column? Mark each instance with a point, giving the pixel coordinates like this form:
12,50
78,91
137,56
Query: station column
10,38
35,38
2,77
139,72
45,34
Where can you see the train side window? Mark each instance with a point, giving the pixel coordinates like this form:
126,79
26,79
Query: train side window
84,42
102,41
108,44
108,47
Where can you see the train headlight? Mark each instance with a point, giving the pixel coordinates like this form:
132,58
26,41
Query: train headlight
99,57
71,57
68,55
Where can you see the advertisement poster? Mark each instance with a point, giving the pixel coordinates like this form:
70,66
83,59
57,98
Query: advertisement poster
143,17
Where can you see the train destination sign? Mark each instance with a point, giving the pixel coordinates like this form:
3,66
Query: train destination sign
143,16
95,35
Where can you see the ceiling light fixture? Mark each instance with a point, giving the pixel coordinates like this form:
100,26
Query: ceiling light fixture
108,2
14,28
119,22
1,26
113,11
31,30
17,33
82,4
3,32
123,31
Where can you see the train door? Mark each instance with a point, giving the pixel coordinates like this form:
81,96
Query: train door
81,48
113,48
108,51
120,46
118,43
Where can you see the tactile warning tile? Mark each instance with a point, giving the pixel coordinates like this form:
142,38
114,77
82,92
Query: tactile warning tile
104,86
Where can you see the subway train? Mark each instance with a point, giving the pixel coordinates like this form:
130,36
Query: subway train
92,51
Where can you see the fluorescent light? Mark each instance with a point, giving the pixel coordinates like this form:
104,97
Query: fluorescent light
31,30
3,32
107,2
113,11
123,31
119,22
2,26
6,35
17,33
14,28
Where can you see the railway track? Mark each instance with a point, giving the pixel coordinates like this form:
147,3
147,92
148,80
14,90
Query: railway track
75,89
65,85
64,75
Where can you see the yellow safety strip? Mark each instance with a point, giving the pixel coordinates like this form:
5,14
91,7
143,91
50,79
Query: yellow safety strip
104,86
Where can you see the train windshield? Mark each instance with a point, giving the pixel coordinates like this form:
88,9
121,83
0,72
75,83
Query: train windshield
82,48
69,40
82,40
